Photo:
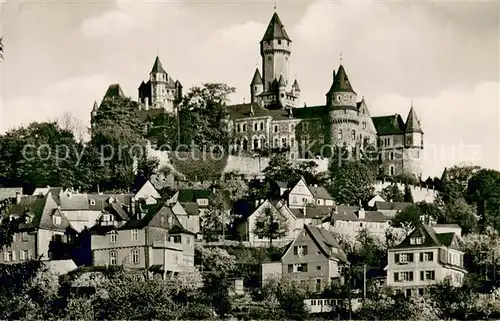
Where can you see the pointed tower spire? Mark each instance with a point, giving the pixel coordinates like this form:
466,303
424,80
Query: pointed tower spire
296,85
412,122
96,107
341,81
257,78
275,30
281,82
157,67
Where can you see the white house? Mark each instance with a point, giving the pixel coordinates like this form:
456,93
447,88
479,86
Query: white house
302,194
148,192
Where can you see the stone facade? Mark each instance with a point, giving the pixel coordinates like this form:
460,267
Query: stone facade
275,118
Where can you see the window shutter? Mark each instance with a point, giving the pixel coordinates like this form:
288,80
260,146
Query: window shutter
410,257
305,250
421,256
396,258
396,277
411,276
422,275
290,268
13,255
304,267
295,250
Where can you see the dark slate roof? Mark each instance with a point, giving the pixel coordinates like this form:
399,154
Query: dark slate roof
313,211
241,111
326,242
374,216
191,195
191,208
394,206
344,213
341,82
296,85
31,205
157,66
257,78
102,200
320,192
177,229
275,30
74,201
431,238
10,192
389,125
281,82
413,123
113,91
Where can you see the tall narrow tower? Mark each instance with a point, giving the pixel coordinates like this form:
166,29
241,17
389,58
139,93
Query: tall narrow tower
275,50
158,78
414,144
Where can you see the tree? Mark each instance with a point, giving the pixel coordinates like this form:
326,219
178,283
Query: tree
455,180
482,250
74,125
289,294
163,131
392,193
351,182
458,211
408,217
271,224
235,187
483,189
217,216
280,169
408,197
215,259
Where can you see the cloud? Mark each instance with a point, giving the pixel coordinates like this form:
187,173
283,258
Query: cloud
461,124
68,96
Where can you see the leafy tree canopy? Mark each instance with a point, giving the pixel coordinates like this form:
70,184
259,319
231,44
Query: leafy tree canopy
392,193
351,182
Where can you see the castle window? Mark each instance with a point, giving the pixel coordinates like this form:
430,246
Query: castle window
261,126
353,134
364,125
256,143
279,42
283,142
244,127
338,98
262,142
392,170
292,128
292,142
245,144
255,126
276,143
255,88
282,95
238,128
275,128
339,134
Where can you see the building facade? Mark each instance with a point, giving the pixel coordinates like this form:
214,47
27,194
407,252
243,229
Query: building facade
275,119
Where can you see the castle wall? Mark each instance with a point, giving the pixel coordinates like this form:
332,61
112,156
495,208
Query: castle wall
347,121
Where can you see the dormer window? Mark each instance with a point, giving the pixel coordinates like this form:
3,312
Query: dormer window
417,240
56,219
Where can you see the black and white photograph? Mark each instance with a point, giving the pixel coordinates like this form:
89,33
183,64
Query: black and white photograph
249,160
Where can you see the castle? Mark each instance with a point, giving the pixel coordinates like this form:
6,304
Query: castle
275,118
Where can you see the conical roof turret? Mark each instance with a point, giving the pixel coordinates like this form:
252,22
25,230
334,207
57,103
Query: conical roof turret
281,82
296,85
275,30
341,81
96,107
257,78
157,67
413,123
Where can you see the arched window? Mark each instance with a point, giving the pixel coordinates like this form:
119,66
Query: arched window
353,134
339,134
113,258
134,255
244,127
262,142
245,144
255,143
261,126
114,237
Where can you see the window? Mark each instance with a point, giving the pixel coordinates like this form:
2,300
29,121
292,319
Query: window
427,275
25,255
318,267
318,285
300,250
392,170
176,239
408,293
339,134
113,236
404,258
261,126
92,202
292,128
275,128
427,256
56,219
113,258
420,292
292,142
245,144
24,236
417,240
403,276
244,127
134,235
299,267
276,143
238,128
255,126
256,143
283,142
392,156
279,42
364,125
134,254
353,134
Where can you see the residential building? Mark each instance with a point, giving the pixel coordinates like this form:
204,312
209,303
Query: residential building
391,209
150,239
45,233
148,193
425,257
314,256
350,220
302,194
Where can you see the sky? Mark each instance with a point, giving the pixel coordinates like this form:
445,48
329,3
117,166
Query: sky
443,57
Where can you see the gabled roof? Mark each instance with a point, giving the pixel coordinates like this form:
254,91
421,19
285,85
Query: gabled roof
325,240
275,30
113,91
191,208
157,67
392,206
431,238
312,212
341,82
320,192
344,213
413,123
375,216
257,78
72,201
389,125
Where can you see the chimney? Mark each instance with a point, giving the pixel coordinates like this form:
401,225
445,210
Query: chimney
361,213
18,197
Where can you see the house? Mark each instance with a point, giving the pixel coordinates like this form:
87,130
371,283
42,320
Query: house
189,216
303,194
425,257
376,198
350,220
201,197
390,209
10,193
246,227
314,256
148,192
150,239
310,215
45,232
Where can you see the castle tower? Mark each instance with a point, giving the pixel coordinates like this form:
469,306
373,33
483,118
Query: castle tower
296,89
94,110
256,86
414,144
275,50
158,77
343,117
281,90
